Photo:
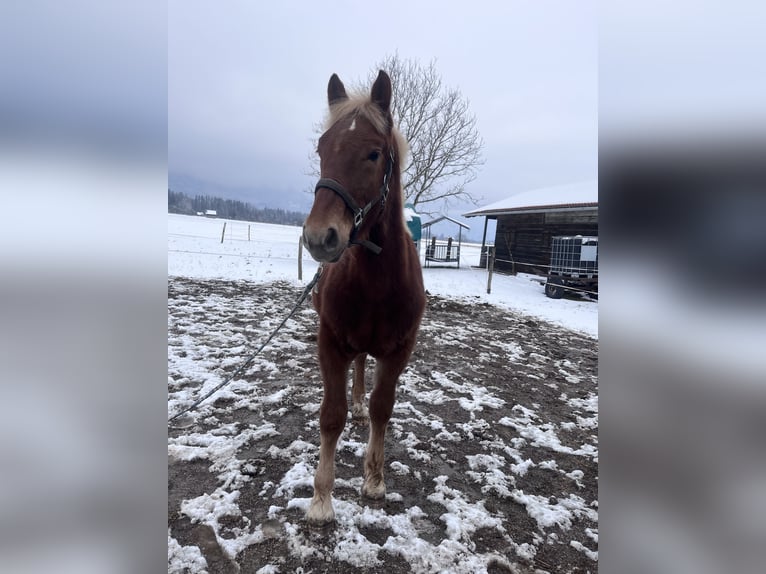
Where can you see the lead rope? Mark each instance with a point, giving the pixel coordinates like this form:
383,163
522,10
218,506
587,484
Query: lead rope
249,360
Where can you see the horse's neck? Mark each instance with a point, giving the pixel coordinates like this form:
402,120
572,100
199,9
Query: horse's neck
390,226
388,266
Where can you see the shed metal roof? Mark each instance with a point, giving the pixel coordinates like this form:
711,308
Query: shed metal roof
575,196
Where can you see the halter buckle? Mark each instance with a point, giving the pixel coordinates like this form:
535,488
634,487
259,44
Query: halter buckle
358,216
386,178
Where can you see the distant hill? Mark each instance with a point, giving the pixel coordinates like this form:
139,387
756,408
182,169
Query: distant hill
179,202
290,200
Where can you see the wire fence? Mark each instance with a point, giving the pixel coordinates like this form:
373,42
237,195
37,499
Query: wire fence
231,231
243,233
489,260
534,265
243,255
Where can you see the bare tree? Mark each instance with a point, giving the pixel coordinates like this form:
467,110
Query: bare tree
445,145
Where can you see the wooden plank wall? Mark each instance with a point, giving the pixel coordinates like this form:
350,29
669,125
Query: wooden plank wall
528,237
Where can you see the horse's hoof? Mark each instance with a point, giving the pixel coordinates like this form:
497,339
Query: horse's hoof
374,490
360,414
360,420
320,513
319,524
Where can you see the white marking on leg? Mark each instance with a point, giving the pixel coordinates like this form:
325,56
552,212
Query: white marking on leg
374,483
320,511
353,125
358,409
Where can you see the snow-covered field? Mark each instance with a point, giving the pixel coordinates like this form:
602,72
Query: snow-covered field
492,450
195,250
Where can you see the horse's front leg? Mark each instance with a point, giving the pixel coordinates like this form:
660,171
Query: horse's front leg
332,419
387,373
359,411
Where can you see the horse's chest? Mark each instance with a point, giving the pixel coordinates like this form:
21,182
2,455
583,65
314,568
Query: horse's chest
371,324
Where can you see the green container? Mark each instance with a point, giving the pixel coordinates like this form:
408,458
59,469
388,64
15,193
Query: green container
413,221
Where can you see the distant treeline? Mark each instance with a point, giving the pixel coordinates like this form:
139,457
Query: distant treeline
179,202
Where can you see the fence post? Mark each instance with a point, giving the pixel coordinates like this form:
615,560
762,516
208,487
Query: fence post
248,232
490,266
300,259
223,232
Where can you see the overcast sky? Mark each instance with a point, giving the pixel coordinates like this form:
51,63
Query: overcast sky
247,81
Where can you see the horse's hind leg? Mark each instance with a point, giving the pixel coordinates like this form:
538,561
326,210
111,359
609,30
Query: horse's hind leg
332,419
359,411
387,373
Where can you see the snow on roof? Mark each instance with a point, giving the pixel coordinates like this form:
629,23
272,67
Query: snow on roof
573,195
410,214
442,218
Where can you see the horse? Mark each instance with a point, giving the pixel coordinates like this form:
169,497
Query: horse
370,296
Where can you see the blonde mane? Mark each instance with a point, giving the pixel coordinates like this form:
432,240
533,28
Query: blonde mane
361,105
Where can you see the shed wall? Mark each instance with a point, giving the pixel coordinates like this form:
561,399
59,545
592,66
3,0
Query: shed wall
525,238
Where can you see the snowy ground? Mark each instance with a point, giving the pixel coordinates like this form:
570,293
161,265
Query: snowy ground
195,250
492,452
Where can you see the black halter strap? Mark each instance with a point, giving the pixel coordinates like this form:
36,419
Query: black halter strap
360,212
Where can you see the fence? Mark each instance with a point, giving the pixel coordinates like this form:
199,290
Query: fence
252,242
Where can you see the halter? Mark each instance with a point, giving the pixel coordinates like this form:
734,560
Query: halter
360,212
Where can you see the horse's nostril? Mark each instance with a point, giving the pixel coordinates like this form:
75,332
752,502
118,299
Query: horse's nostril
331,240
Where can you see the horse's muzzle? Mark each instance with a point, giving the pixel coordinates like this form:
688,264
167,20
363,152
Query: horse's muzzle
325,245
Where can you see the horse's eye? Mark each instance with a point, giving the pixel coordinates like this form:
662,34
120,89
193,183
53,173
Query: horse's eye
374,156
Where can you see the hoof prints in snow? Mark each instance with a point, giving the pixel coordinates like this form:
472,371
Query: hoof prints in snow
491,454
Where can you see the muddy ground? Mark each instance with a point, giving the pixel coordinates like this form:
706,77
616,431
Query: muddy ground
494,439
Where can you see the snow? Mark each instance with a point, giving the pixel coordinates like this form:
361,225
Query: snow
271,253
572,194
582,548
542,434
195,250
185,558
547,514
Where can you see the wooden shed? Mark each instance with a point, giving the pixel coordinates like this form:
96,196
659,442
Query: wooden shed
527,221
443,252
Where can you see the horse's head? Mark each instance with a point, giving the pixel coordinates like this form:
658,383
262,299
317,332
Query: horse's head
357,153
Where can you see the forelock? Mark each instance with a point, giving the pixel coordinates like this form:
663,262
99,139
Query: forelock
358,105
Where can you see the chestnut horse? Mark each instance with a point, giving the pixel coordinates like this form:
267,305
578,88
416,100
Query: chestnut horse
370,295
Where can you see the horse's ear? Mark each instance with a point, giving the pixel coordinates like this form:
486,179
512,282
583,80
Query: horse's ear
336,91
381,92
